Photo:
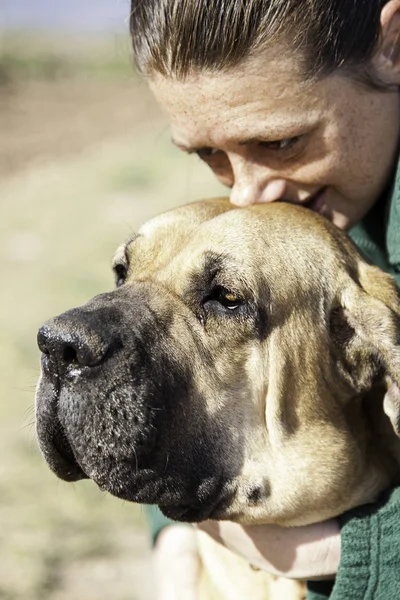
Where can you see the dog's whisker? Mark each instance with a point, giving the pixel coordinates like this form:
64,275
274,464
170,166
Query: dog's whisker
136,460
29,412
152,426
28,425
166,463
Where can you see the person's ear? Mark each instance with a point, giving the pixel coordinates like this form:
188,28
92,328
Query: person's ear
387,58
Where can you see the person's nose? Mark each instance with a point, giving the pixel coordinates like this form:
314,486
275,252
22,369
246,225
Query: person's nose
255,183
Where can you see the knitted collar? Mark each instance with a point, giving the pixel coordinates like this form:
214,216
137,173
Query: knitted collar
393,223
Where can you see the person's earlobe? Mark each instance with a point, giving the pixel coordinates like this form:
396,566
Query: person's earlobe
387,58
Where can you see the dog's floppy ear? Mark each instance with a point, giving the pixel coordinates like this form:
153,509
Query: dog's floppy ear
371,307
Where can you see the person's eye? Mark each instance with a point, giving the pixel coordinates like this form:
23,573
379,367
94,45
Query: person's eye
282,145
207,153
218,162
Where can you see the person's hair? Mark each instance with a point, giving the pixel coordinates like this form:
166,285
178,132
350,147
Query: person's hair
175,38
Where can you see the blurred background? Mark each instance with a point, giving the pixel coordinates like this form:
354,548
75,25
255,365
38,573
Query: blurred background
85,158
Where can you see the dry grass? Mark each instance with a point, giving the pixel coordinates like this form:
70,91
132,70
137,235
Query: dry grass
83,162
41,120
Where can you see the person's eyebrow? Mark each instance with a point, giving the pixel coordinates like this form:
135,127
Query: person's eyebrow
276,136
245,142
252,140
290,130
194,149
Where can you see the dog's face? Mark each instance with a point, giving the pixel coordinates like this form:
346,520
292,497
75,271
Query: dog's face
228,375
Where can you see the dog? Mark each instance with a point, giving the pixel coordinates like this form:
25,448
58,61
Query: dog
246,367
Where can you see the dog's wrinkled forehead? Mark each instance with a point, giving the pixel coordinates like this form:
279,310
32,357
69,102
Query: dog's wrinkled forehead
163,237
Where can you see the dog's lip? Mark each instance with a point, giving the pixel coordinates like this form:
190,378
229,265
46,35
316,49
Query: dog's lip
53,440
190,513
61,458
68,467
197,512
71,372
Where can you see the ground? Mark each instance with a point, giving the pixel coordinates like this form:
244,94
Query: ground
85,157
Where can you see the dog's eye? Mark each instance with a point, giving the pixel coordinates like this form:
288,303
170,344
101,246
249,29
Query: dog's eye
120,272
229,300
226,298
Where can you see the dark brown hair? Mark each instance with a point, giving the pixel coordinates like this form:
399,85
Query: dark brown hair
177,37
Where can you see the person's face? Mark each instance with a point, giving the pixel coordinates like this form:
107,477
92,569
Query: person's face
269,135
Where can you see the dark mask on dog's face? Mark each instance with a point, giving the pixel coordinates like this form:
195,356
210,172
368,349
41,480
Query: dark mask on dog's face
218,380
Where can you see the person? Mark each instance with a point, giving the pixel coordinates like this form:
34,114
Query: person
294,100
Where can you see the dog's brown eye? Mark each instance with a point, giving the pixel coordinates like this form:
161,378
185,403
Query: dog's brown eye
228,299
221,300
120,272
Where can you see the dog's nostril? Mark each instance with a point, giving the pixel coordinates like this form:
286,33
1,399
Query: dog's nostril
67,344
69,355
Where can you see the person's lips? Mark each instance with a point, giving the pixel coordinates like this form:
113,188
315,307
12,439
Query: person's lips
316,201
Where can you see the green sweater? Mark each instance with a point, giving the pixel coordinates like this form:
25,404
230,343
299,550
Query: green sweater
370,535
370,554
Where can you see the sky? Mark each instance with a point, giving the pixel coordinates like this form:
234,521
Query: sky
65,15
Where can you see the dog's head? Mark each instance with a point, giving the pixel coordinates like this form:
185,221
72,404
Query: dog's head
235,373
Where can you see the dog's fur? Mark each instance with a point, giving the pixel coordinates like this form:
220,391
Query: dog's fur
241,371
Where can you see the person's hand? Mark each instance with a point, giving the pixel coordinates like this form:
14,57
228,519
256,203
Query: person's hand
310,552
176,563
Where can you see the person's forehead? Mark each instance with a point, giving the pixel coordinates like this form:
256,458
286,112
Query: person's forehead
274,81
262,97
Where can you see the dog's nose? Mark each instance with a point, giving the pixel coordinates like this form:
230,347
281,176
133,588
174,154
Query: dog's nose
70,346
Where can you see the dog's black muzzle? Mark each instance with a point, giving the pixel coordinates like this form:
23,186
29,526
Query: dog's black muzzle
113,404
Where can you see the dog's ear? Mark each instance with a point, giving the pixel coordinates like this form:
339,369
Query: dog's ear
370,306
